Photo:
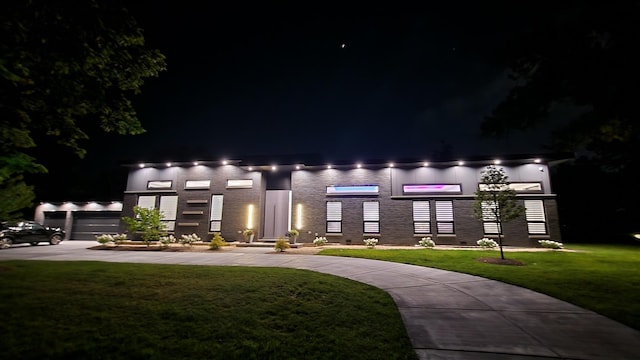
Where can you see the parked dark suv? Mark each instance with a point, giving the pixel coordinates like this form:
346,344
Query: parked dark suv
29,232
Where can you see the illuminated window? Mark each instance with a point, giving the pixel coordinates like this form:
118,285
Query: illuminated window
197,184
353,190
421,217
215,220
147,201
520,187
444,217
371,217
334,217
432,189
240,184
159,185
536,220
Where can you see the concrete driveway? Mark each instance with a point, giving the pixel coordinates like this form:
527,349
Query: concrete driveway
448,315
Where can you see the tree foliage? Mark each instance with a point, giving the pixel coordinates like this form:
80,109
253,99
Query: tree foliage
67,69
583,57
146,221
496,201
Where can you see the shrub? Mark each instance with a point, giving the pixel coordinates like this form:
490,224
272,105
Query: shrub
427,242
146,221
281,245
119,238
550,244
104,239
319,241
487,243
292,232
371,242
247,232
189,239
166,240
217,242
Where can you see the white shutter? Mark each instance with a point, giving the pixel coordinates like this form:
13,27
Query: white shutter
168,207
421,211
334,227
537,228
216,208
147,201
422,228
445,228
372,227
444,210
491,228
371,211
334,211
535,210
488,211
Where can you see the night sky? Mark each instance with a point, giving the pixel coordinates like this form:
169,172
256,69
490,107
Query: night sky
276,80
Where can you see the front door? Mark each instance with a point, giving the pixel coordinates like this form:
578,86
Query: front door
277,213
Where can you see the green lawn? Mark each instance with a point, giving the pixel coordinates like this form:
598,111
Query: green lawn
95,310
603,278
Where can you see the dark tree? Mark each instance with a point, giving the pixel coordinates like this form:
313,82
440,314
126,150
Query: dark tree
67,70
577,71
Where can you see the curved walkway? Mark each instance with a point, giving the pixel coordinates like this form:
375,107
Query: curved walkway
448,315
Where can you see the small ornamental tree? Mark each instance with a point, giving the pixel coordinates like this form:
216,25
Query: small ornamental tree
146,221
495,201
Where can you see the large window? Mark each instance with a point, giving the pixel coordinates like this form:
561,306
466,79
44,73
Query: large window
421,217
215,220
371,217
334,217
444,217
536,220
489,219
168,206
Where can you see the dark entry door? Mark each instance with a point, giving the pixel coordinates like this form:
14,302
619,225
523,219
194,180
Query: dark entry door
277,213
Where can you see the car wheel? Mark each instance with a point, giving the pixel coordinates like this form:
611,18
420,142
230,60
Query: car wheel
55,239
5,243
34,243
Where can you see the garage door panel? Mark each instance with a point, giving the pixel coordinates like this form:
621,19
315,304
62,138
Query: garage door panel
86,226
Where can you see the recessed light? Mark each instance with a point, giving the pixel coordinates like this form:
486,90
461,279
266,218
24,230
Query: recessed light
195,163
328,166
496,162
297,167
274,168
391,165
460,163
141,165
168,164
250,168
425,164
224,162
358,165
537,161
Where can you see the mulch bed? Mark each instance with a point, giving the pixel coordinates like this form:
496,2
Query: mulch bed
148,248
498,261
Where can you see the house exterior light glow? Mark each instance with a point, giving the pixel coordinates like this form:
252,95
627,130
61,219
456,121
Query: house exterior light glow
397,203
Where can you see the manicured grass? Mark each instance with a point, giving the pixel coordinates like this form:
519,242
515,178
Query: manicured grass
94,310
602,278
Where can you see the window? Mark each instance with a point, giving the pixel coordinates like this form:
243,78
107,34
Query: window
432,189
489,219
215,220
197,184
421,217
353,190
334,217
534,214
371,217
519,187
147,201
169,209
240,184
159,185
444,217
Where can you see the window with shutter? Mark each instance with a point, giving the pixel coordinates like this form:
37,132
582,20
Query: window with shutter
444,217
536,220
489,218
421,217
169,209
371,217
215,220
334,217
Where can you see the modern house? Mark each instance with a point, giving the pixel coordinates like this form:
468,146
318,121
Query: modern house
397,203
